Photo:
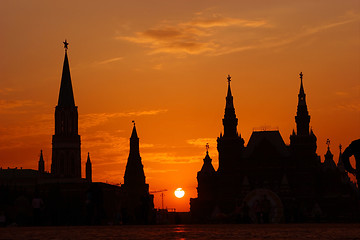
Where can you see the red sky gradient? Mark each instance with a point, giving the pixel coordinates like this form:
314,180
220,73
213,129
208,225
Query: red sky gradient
164,64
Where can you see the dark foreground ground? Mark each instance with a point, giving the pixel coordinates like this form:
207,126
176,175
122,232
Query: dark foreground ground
249,232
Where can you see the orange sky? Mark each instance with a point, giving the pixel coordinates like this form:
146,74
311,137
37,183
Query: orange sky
164,64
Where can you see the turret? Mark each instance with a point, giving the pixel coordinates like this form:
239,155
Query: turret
88,169
329,160
41,163
206,178
134,177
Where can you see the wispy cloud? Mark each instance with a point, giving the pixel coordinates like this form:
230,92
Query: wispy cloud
201,35
94,119
10,105
6,90
352,107
111,60
220,21
201,142
191,37
170,158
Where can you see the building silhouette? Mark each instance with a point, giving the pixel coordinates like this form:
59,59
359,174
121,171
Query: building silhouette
68,198
137,202
66,151
269,181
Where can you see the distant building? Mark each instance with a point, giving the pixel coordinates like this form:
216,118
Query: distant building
137,202
68,198
269,181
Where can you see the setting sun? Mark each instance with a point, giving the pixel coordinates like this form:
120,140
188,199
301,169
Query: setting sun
179,193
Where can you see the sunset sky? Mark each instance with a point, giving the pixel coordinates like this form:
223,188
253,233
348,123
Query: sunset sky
164,64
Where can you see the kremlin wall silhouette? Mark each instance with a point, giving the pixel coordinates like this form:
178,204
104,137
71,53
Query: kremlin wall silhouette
265,181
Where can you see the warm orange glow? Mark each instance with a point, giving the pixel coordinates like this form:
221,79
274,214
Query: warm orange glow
164,64
179,193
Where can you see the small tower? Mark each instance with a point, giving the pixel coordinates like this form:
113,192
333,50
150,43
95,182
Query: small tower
206,178
230,143
41,163
303,141
66,155
135,191
207,168
88,169
329,160
134,178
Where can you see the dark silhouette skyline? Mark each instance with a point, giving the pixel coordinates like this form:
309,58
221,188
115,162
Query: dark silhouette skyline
271,182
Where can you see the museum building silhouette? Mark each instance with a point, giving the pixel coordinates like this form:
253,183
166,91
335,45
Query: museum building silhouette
269,181
67,197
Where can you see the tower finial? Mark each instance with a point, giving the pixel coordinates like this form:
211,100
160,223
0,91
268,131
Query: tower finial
66,45
229,78
133,122
328,143
207,147
301,76
340,147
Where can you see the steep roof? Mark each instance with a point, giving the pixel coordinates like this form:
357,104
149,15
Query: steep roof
66,95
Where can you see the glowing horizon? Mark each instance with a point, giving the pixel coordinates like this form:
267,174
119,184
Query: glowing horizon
165,65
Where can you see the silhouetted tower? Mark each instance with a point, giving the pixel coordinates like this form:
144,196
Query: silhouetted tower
302,117
303,142
206,178
134,178
329,160
66,159
230,144
41,163
88,169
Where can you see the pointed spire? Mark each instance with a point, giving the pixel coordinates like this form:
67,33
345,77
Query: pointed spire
88,169
134,172
41,163
302,92
88,158
134,133
66,95
230,121
302,115
229,97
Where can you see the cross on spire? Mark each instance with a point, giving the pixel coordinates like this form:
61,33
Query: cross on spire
328,143
66,45
301,76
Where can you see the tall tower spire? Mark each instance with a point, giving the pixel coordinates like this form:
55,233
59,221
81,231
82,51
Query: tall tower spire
134,177
66,159
230,121
66,95
303,142
41,163
302,117
230,143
